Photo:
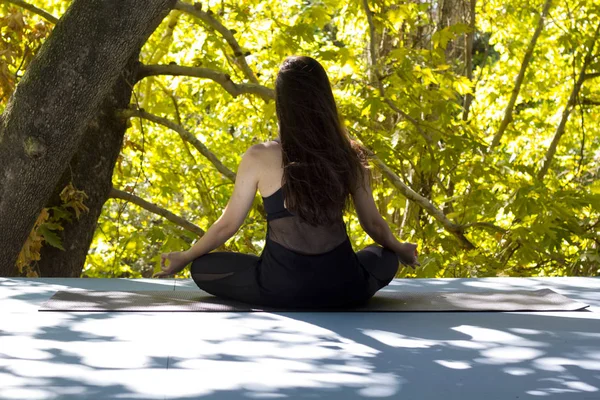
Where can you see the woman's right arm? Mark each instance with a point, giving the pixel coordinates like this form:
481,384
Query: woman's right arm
373,223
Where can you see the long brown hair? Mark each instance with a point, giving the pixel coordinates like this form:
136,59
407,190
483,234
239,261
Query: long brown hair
321,164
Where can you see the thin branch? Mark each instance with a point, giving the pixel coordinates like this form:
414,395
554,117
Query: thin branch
185,135
520,77
591,76
413,121
410,194
190,138
543,251
223,79
592,226
589,102
29,7
413,196
171,95
487,225
511,252
167,38
210,20
485,57
153,208
582,145
560,130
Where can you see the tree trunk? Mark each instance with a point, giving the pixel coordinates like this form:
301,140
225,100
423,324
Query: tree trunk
452,12
90,170
469,38
61,92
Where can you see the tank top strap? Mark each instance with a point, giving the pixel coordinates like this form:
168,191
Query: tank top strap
275,206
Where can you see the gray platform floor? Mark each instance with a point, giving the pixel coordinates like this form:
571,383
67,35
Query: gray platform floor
169,355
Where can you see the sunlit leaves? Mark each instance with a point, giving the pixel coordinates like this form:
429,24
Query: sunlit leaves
551,226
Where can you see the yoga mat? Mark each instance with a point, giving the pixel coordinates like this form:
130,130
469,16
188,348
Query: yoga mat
196,300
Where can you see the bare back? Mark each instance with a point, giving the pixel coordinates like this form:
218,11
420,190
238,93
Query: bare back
284,227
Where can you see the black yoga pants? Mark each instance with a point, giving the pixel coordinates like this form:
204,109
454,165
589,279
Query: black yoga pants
233,275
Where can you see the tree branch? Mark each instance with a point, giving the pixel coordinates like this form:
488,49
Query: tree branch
211,21
29,7
171,95
590,102
519,81
413,121
185,135
560,130
223,79
410,194
591,76
153,208
488,225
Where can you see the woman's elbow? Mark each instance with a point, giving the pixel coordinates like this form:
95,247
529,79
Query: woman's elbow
229,231
372,228
373,223
378,230
224,229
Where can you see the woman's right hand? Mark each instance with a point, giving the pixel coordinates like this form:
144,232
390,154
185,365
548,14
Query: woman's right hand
407,254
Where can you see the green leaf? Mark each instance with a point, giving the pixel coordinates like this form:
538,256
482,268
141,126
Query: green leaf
50,237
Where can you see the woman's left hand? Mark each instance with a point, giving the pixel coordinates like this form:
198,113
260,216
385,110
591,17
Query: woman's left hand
177,262
408,255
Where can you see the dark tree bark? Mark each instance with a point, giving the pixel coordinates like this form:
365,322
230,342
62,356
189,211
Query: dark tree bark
453,12
61,92
469,38
90,170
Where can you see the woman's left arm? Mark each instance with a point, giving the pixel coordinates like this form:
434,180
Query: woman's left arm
244,191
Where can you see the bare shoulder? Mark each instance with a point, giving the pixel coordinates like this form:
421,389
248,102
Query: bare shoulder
265,160
271,146
266,152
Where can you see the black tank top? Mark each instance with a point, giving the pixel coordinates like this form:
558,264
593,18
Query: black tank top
274,206
290,231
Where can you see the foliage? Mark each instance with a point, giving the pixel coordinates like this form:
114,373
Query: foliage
46,226
520,225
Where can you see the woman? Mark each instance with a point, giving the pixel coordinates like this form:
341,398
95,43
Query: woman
306,178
